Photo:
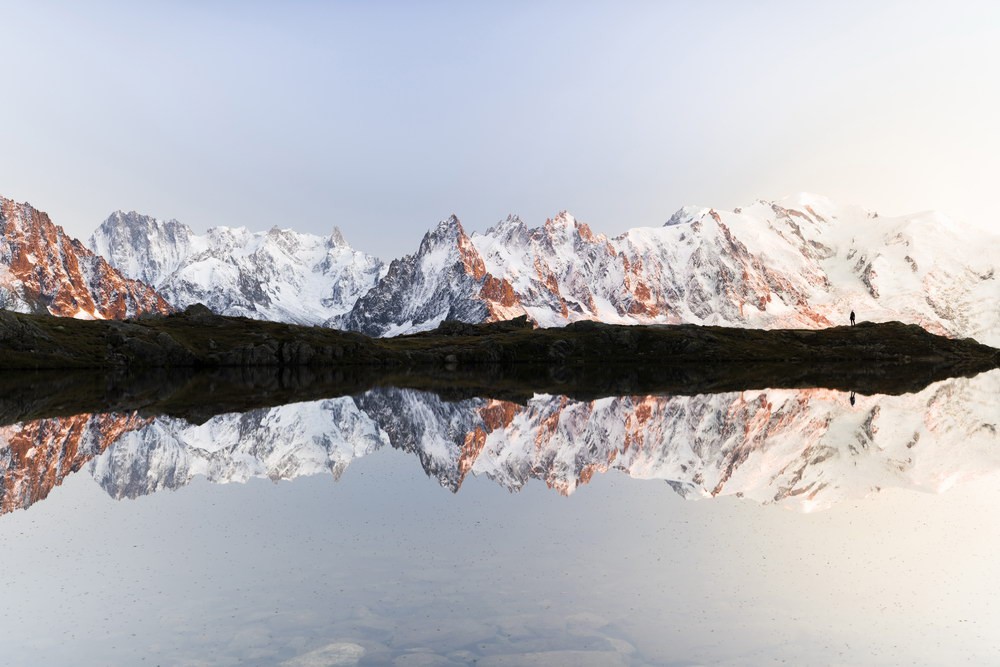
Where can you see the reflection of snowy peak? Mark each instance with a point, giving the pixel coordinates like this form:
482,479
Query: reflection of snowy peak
43,270
436,431
277,275
279,443
806,448
803,448
801,262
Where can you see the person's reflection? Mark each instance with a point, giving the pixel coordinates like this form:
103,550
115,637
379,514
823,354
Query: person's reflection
852,398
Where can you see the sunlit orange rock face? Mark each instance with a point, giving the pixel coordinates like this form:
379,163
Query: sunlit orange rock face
498,292
36,456
471,260
43,270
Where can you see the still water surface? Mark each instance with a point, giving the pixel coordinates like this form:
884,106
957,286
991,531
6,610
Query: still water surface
762,527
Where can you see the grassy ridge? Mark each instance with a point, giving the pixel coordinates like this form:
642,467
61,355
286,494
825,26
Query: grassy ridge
196,364
198,338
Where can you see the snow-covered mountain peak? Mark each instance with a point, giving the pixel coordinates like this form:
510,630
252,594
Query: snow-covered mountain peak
685,215
449,227
142,221
807,202
279,274
424,288
281,232
560,219
445,234
337,238
511,226
566,226
289,242
131,242
231,238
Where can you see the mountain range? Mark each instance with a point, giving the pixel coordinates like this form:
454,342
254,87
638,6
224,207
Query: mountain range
806,449
278,275
800,262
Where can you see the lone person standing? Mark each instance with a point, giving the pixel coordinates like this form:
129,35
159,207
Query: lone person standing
852,318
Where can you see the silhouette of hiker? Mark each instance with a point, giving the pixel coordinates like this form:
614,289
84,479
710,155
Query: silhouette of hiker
852,398
852,318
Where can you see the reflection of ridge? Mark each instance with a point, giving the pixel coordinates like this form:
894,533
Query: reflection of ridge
36,456
806,448
495,415
424,425
278,443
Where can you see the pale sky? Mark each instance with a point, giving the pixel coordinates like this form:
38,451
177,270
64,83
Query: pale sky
384,118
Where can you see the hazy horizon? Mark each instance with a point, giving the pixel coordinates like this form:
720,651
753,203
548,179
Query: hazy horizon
383,119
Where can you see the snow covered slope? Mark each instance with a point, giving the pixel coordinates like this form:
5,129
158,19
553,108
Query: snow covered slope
801,262
43,270
275,275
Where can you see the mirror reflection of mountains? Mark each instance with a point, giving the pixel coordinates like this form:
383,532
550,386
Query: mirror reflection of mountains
804,448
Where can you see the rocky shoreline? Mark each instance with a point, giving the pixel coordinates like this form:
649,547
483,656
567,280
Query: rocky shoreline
198,338
195,364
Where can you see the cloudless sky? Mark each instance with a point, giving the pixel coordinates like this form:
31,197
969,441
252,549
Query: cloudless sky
384,117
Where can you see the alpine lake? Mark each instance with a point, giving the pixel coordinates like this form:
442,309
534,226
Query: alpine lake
397,526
